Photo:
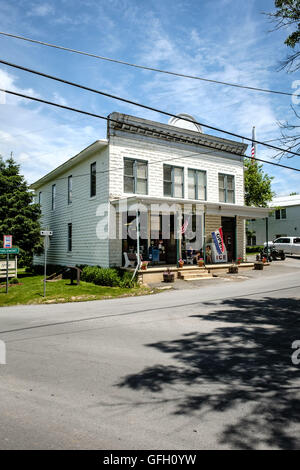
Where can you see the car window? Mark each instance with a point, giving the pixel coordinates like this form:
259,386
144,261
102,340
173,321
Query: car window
297,240
282,240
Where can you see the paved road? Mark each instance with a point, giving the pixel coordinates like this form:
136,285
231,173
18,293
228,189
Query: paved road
200,368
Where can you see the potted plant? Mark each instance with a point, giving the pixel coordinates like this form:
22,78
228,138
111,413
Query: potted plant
168,276
239,260
200,262
233,269
144,265
181,263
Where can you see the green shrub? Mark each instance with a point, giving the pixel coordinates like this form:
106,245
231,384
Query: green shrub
101,276
14,280
126,280
254,249
107,277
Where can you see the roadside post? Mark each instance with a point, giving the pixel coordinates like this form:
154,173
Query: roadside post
7,243
46,234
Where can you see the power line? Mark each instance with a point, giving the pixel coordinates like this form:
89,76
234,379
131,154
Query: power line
179,139
144,67
134,103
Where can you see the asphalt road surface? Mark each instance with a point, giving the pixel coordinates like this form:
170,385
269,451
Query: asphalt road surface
199,368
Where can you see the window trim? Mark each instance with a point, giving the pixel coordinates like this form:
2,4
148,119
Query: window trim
198,170
172,180
226,187
93,174
135,177
70,238
70,189
53,197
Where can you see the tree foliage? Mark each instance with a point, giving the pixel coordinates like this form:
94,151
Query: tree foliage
19,216
258,189
287,16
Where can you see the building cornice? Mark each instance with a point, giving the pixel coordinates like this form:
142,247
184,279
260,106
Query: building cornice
123,124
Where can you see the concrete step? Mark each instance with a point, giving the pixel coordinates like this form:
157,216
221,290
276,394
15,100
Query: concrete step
193,273
203,278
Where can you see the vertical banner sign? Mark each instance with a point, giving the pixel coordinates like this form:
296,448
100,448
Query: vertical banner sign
219,252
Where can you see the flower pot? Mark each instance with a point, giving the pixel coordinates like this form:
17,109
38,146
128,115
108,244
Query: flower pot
233,269
200,263
169,277
259,265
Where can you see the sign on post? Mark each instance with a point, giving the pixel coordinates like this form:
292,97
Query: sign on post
7,241
46,234
9,251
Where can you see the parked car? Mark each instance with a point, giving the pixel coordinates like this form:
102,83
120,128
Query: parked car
289,245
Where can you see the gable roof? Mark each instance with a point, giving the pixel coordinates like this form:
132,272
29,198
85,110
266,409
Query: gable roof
85,153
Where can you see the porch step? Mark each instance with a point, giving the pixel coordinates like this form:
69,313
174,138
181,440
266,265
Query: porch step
194,274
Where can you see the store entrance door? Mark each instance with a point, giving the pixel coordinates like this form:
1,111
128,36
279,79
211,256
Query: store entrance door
228,226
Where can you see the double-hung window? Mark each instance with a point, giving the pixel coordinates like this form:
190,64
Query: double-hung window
226,188
70,189
53,201
135,176
197,184
280,214
93,180
173,181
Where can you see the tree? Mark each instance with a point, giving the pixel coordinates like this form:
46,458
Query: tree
19,216
258,189
287,16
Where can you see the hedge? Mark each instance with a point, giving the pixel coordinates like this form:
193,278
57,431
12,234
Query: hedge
254,248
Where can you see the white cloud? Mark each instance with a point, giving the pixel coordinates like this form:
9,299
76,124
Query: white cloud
42,9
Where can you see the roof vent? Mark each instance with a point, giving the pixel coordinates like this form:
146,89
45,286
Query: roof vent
181,120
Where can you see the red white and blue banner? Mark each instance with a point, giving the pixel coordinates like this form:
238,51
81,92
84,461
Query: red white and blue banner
219,252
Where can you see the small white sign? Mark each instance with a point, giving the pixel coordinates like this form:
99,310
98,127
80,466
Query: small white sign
46,233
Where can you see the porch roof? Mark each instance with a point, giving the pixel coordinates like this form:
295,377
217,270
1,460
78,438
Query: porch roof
210,208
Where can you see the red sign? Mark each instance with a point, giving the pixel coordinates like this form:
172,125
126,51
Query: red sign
7,241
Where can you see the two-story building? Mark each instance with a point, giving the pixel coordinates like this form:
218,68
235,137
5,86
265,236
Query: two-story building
283,221
154,189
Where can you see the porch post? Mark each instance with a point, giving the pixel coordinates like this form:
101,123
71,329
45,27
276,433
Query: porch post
267,235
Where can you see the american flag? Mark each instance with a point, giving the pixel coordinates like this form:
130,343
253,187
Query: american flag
185,226
253,148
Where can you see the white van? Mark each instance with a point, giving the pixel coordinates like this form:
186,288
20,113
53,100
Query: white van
290,245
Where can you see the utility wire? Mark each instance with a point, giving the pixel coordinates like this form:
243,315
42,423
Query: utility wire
134,103
144,67
179,140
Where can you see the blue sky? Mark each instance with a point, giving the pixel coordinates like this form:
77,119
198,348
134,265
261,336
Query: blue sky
226,40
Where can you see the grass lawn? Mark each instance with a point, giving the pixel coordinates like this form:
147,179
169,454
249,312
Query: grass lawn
31,291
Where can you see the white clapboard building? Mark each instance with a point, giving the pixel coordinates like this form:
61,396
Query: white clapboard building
150,172
284,221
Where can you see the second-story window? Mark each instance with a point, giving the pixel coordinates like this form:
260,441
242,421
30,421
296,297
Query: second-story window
226,188
70,189
173,181
280,214
93,180
53,202
197,184
135,176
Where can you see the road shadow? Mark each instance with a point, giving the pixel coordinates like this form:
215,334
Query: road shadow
243,362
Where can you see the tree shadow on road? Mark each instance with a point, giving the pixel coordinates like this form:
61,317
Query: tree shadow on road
244,361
